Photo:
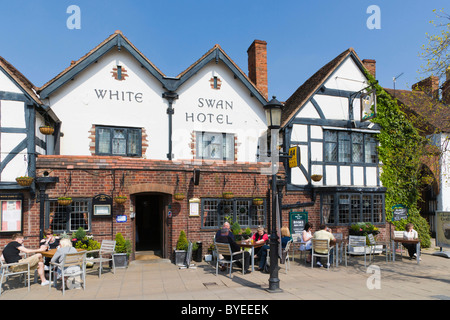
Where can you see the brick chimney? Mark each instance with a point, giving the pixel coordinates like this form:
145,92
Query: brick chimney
257,65
446,88
429,85
371,66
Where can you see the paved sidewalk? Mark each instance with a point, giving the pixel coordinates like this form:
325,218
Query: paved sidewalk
400,280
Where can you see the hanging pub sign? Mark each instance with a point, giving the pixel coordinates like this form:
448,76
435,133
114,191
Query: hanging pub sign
102,205
294,160
368,105
11,213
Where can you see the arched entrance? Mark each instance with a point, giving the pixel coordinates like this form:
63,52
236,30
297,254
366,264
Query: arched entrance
150,203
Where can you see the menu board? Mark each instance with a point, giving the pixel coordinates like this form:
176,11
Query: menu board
10,213
443,229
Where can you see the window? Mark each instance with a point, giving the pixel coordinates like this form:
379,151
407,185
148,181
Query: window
69,218
213,146
215,212
348,208
354,147
118,141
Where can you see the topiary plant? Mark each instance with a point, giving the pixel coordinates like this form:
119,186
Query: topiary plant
122,245
182,243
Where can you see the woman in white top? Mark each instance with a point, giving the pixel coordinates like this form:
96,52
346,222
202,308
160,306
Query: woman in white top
306,238
410,234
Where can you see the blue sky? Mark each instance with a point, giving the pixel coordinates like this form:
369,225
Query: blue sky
302,35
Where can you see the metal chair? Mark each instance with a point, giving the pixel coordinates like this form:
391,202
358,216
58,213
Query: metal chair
70,260
224,249
7,270
105,254
322,245
373,243
298,239
356,246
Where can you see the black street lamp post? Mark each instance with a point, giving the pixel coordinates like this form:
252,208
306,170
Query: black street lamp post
273,116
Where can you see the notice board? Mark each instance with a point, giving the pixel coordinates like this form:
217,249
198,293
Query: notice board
11,213
443,229
297,221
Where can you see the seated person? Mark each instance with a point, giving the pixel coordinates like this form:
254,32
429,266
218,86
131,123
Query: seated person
260,236
226,225
410,234
324,234
285,237
225,237
306,237
65,247
12,251
50,242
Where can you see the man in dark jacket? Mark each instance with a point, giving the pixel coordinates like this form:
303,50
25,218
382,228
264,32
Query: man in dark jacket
225,237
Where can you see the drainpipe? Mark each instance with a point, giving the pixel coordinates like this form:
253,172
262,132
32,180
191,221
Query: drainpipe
170,96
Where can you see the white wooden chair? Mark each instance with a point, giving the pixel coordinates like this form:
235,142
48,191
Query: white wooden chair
356,246
322,245
70,260
105,254
223,251
285,255
373,244
398,235
8,269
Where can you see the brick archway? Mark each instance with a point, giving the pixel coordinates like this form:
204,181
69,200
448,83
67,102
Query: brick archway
151,187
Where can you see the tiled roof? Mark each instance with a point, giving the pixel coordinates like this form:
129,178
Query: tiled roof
430,114
75,63
21,80
310,86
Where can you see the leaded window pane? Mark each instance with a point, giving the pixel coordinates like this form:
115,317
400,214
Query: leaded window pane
344,147
104,140
357,147
371,149
119,142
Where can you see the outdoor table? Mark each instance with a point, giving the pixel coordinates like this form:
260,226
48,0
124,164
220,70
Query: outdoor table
244,244
50,253
401,240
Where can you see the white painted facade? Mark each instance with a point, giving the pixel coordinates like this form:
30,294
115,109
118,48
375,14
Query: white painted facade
348,77
95,97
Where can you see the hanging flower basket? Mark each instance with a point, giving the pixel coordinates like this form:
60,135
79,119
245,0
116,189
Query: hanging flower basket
178,196
316,177
228,195
24,181
120,199
64,201
258,201
47,130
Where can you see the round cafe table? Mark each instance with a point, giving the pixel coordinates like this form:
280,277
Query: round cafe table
252,246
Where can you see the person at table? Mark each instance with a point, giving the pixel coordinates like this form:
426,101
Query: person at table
50,242
11,254
285,237
226,225
410,234
224,237
259,237
322,233
65,248
306,238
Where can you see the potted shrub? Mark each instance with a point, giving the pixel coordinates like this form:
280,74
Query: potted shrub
64,201
123,251
236,230
120,199
181,249
179,196
246,233
24,181
47,130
